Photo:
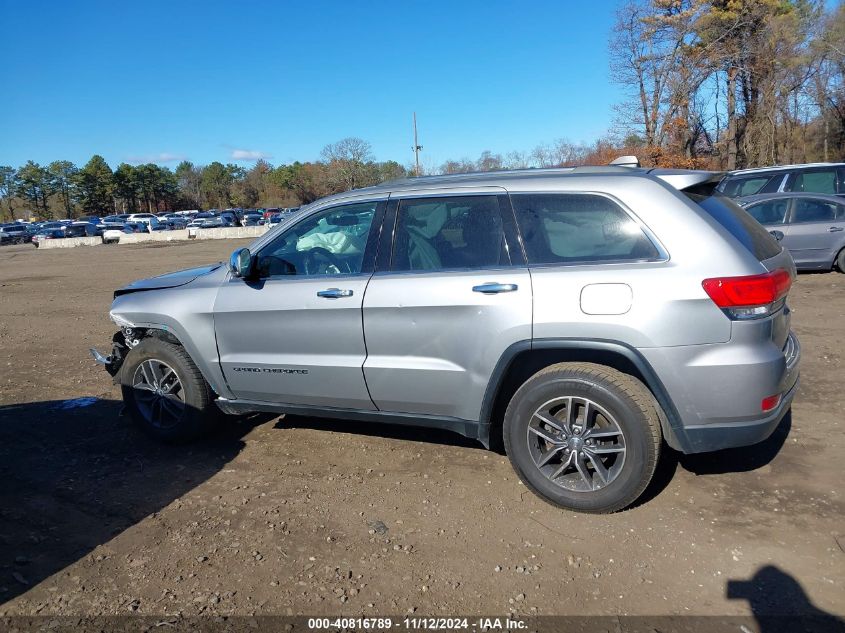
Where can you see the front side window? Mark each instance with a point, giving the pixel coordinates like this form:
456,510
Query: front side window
454,232
331,242
564,228
769,212
817,181
809,210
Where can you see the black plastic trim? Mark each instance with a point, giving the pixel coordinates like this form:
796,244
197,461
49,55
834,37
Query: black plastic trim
385,248
466,428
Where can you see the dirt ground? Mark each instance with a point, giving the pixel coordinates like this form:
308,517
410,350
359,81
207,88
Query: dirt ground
310,516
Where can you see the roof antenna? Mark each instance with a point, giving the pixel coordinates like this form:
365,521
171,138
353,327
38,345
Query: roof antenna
626,161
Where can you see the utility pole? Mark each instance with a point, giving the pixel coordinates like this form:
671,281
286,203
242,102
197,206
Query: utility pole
417,146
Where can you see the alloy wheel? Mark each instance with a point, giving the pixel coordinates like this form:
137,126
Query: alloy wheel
158,393
576,443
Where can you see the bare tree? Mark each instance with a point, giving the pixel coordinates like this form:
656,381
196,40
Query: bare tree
347,160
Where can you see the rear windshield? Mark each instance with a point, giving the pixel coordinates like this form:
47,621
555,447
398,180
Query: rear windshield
738,222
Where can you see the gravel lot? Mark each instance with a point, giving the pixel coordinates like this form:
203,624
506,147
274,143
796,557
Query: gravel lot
296,515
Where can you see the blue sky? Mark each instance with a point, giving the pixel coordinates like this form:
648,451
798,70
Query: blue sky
161,81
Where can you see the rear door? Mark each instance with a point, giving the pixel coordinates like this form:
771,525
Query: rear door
813,232
294,334
450,295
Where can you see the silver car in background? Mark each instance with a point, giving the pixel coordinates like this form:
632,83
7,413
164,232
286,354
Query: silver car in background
823,178
579,318
810,226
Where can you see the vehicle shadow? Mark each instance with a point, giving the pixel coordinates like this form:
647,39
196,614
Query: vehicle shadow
780,604
744,459
379,429
73,478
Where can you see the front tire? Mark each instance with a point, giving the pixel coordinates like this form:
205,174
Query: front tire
165,393
840,261
584,437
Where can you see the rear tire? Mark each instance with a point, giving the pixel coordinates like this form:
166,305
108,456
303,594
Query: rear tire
165,393
840,261
583,436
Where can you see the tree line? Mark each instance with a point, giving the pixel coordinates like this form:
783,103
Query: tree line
61,189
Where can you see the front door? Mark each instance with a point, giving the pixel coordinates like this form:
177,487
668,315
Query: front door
294,333
451,299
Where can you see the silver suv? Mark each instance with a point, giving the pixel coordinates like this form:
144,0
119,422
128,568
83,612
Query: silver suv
578,318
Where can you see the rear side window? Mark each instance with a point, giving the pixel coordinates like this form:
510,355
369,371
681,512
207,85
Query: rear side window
814,211
817,181
737,187
738,222
566,228
443,233
769,212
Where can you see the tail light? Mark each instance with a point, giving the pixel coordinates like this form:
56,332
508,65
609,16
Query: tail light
749,297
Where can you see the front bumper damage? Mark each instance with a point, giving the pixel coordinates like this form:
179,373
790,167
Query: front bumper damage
120,347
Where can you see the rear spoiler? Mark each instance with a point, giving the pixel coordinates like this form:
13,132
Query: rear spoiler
683,179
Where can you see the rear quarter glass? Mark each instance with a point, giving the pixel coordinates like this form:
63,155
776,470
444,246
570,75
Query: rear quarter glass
734,219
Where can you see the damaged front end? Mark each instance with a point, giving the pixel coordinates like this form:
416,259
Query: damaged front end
123,340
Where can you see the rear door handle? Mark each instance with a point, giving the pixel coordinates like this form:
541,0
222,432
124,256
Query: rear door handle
334,293
835,229
494,288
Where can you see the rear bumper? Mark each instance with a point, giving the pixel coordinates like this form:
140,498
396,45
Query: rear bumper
715,437
717,391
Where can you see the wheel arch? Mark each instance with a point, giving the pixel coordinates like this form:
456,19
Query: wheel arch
164,333
523,359
837,256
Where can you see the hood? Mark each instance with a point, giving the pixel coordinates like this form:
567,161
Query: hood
169,280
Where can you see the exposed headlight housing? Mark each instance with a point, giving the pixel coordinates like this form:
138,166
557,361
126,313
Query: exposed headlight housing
120,321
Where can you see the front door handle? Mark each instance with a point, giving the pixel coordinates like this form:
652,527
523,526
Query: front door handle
835,229
334,293
494,288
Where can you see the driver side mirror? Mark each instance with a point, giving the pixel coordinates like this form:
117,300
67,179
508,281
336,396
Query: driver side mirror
240,263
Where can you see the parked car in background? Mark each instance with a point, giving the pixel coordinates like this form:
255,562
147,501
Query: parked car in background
14,233
47,234
197,219
229,218
281,216
252,218
825,178
206,220
810,226
146,218
82,229
113,232
173,222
